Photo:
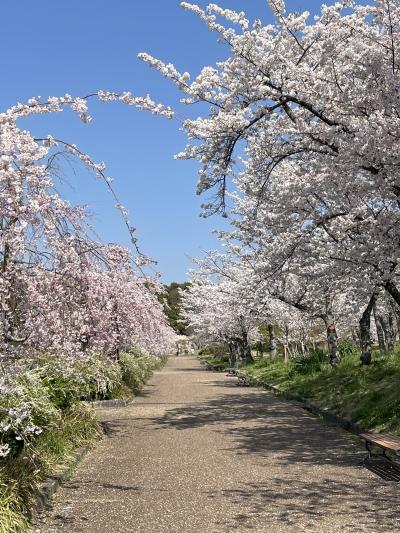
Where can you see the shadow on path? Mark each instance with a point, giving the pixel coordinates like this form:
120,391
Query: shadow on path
195,453
261,424
308,504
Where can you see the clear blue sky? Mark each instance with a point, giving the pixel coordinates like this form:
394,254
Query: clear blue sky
52,47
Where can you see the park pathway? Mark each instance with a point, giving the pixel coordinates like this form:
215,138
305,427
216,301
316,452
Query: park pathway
195,453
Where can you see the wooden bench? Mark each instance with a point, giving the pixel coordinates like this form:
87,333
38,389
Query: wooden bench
384,441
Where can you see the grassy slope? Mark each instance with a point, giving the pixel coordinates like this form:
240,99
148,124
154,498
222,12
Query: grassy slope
369,396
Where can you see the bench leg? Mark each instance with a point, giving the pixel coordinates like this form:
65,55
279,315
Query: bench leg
371,454
385,456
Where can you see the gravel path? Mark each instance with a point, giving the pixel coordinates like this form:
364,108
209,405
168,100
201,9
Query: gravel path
195,453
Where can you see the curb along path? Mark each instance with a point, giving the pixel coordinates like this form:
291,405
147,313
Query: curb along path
195,453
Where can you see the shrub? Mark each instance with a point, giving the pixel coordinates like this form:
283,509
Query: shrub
216,350
101,377
313,361
26,410
64,385
160,361
42,420
136,370
78,426
347,349
20,475
68,382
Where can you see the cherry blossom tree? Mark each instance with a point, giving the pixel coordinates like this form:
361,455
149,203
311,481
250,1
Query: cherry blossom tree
291,304
61,291
304,121
215,317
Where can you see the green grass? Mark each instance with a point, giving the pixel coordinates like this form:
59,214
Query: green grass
221,360
368,395
21,475
136,370
79,427
12,519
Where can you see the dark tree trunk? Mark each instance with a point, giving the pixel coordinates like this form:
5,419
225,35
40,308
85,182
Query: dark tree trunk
259,347
84,342
379,330
365,331
331,335
390,342
387,333
272,341
233,362
394,292
244,350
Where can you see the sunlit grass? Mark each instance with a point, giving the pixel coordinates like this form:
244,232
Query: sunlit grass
366,395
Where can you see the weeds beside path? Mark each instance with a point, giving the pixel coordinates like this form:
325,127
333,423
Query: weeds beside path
195,453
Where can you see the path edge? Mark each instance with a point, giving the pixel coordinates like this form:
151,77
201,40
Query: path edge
109,403
52,483
311,407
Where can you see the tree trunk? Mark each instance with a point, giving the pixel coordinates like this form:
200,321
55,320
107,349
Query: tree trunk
286,347
391,332
233,360
394,292
260,352
331,335
365,331
244,350
379,330
387,333
272,341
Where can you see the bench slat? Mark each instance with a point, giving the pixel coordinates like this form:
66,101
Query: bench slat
391,442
